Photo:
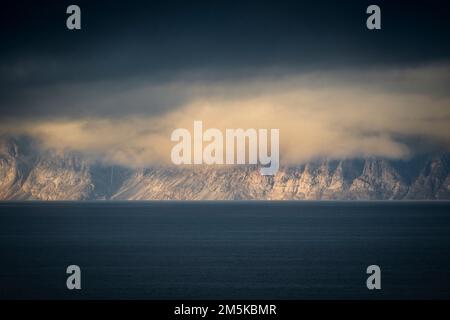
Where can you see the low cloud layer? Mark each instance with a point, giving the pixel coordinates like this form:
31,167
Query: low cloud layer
328,114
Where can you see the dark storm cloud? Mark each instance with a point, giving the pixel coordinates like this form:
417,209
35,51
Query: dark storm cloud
139,46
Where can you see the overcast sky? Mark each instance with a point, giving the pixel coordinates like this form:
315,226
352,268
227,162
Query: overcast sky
168,60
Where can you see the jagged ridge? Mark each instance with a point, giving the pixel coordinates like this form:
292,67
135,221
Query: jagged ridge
27,173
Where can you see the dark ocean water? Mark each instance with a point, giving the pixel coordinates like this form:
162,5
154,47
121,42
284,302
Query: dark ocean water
225,250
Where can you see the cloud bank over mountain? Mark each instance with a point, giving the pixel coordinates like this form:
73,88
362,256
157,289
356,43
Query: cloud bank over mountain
337,114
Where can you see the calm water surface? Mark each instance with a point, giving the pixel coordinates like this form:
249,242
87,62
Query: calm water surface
225,250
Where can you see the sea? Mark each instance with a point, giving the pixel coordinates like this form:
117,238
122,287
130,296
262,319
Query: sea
162,250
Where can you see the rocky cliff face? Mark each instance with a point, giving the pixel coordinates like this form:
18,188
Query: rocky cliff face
27,173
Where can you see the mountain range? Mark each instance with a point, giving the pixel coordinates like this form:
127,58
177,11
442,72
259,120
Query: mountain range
31,173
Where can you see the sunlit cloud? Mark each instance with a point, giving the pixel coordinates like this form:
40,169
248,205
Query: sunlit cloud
333,115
